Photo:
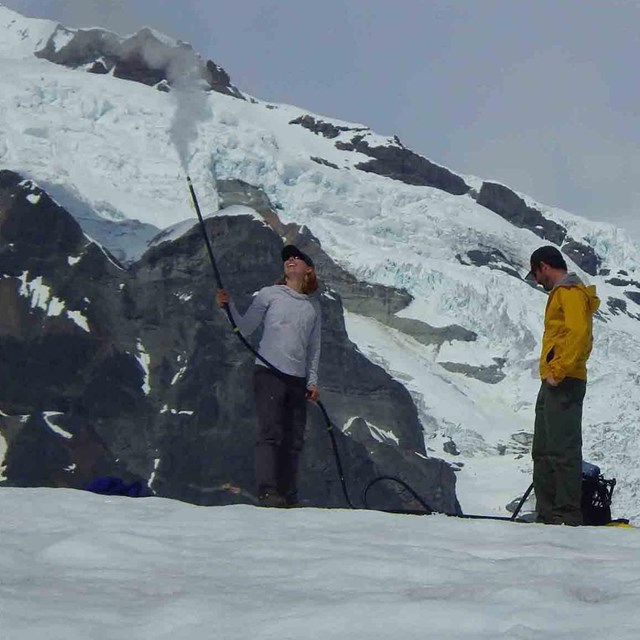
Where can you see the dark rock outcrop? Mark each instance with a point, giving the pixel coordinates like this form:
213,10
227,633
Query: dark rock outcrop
623,282
492,258
617,306
326,129
634,296
584,256
143,57
134,373
397,162
490,375
324,162
238,192
510,206
392,161
451,448
427,334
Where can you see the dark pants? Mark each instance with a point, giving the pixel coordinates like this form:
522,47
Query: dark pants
557,452
281,406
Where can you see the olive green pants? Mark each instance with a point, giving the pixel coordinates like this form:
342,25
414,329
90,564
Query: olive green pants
557,452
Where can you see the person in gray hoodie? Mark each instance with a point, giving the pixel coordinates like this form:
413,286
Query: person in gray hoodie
291,344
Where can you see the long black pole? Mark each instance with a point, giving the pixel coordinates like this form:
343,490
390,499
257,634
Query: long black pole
522,501
216,273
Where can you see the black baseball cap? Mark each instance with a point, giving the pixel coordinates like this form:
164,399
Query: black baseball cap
549,255
291,251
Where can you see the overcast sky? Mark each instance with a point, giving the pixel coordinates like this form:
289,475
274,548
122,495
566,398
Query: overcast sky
543,95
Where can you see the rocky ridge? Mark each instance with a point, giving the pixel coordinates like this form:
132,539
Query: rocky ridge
132,372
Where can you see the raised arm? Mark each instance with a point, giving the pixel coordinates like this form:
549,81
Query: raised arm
254,315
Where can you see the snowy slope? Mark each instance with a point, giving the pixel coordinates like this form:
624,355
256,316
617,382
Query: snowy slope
162,569
106,149
22,36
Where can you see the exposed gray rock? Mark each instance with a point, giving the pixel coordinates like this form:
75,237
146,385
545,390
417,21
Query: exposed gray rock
392,161
399,163
413,472
324,162
153,384
617,306
238,192
219,80
512,207
633,296
492,258
518,445
359,430
426,481
584,256
523,438
450,448
326,129
142,57
491,375
623,282
426,334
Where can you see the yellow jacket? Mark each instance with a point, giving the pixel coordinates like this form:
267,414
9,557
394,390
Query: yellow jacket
568,338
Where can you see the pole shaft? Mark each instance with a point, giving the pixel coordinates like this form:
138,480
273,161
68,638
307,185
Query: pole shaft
216,273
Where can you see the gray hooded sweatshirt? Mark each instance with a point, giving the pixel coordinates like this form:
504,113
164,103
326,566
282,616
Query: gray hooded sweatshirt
291,337
570,280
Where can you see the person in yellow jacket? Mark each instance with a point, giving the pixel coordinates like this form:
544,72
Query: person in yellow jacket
566,345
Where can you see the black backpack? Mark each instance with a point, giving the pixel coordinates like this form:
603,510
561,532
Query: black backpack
596,497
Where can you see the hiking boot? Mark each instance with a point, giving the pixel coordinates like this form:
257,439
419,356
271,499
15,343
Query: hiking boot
272,499
549,520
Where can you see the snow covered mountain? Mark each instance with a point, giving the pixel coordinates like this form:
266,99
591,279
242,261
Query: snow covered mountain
108,127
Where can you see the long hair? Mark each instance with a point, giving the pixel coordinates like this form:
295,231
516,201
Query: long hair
309,284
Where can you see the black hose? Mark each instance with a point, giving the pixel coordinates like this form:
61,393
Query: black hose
427,509
336,455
